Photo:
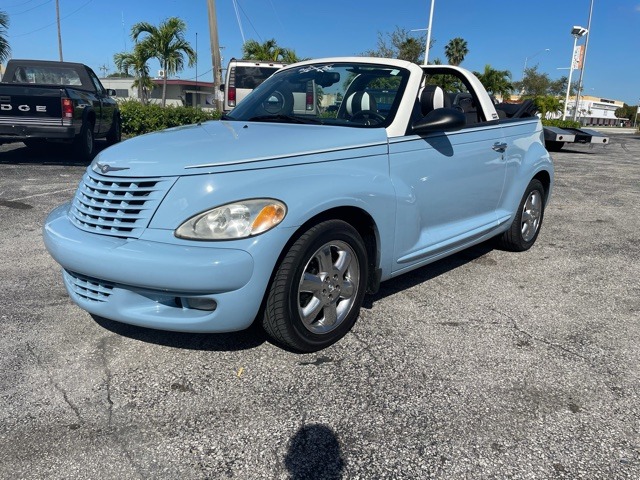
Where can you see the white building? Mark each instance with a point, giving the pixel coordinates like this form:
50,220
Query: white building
179,92
596,111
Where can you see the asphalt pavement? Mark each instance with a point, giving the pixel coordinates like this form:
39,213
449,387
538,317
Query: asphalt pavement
486,365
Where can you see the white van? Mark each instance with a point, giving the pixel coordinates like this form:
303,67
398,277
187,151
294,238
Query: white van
243,76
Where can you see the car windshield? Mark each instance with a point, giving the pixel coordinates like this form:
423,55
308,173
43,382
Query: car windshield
344,94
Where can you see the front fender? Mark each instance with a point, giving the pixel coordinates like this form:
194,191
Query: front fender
307,190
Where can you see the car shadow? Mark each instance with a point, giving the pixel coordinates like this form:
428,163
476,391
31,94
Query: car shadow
429,272
254,336
215,342
18,153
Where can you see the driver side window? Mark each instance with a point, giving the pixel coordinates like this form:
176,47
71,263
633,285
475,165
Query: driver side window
448,90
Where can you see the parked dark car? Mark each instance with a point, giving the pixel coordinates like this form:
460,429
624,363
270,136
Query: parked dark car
44,101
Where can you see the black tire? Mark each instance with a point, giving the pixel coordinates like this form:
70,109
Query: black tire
524,229
554,146
115,134
309,316
84,144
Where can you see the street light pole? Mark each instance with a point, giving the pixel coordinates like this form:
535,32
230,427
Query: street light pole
426,48
577,32
526,59
584,62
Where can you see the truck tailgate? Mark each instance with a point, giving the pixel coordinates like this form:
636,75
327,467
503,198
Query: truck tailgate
27,104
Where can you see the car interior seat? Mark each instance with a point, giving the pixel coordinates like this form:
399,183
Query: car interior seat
361,101
433,97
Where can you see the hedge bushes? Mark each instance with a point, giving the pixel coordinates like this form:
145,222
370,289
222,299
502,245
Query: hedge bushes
561,123
138,118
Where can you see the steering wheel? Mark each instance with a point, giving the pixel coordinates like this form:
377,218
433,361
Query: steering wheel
368,115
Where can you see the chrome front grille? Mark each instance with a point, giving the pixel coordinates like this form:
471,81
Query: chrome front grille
88,288
120,207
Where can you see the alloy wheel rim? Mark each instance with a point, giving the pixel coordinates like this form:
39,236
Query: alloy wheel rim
531,215
328,287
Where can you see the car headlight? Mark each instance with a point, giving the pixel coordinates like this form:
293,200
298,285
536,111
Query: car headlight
235,220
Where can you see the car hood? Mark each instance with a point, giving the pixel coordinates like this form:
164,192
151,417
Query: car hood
218,146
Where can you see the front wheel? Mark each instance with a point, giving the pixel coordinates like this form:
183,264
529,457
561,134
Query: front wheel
318,288
115,134
525,227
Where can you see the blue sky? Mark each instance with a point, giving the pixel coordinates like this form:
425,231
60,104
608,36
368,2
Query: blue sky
503,33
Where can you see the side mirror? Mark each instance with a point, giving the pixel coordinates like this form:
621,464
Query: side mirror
440,120
111,92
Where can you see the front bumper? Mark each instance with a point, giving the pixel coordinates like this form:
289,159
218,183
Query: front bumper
150,283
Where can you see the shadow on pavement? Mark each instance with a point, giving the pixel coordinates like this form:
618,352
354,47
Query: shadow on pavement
314,453
217,342
52,154
429,272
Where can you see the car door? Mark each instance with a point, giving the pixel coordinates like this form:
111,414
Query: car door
448,187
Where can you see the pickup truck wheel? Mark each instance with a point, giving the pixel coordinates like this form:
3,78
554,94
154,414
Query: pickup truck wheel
553,146
317,291
84,143
526,225
115,134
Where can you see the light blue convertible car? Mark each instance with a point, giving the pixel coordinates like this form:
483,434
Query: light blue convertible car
330,177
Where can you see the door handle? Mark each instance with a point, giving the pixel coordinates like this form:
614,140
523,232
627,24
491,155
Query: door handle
499,147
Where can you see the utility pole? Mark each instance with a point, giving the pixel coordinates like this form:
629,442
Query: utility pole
215,53
59,34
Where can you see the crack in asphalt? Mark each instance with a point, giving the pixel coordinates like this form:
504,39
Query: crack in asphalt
102,348
55,384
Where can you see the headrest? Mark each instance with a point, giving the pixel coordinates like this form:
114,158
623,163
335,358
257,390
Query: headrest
359,101
432,97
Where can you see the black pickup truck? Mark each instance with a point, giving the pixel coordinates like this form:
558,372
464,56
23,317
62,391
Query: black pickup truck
44,101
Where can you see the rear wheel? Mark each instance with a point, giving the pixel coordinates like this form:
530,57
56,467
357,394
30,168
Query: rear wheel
526,225
84,143
318,288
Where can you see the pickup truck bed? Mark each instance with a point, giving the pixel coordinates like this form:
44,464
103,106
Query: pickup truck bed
62,102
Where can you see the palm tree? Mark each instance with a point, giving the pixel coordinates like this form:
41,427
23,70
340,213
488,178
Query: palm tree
548,105
5,51
167,44
136,61
496,82
266,51
456,50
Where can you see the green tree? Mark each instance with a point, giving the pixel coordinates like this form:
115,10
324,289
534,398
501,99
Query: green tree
627,111
136,62
167,44
456,50
5,50
534,83
400,44
497,82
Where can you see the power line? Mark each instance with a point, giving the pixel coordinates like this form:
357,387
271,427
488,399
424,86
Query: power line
250,22
32,8
54,22
18,4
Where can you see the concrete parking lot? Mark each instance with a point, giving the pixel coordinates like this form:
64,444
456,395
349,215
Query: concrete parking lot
485,365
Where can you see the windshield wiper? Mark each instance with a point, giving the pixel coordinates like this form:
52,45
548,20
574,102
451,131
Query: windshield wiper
284,119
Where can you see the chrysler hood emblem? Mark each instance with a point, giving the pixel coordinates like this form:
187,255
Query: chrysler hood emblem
106,168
